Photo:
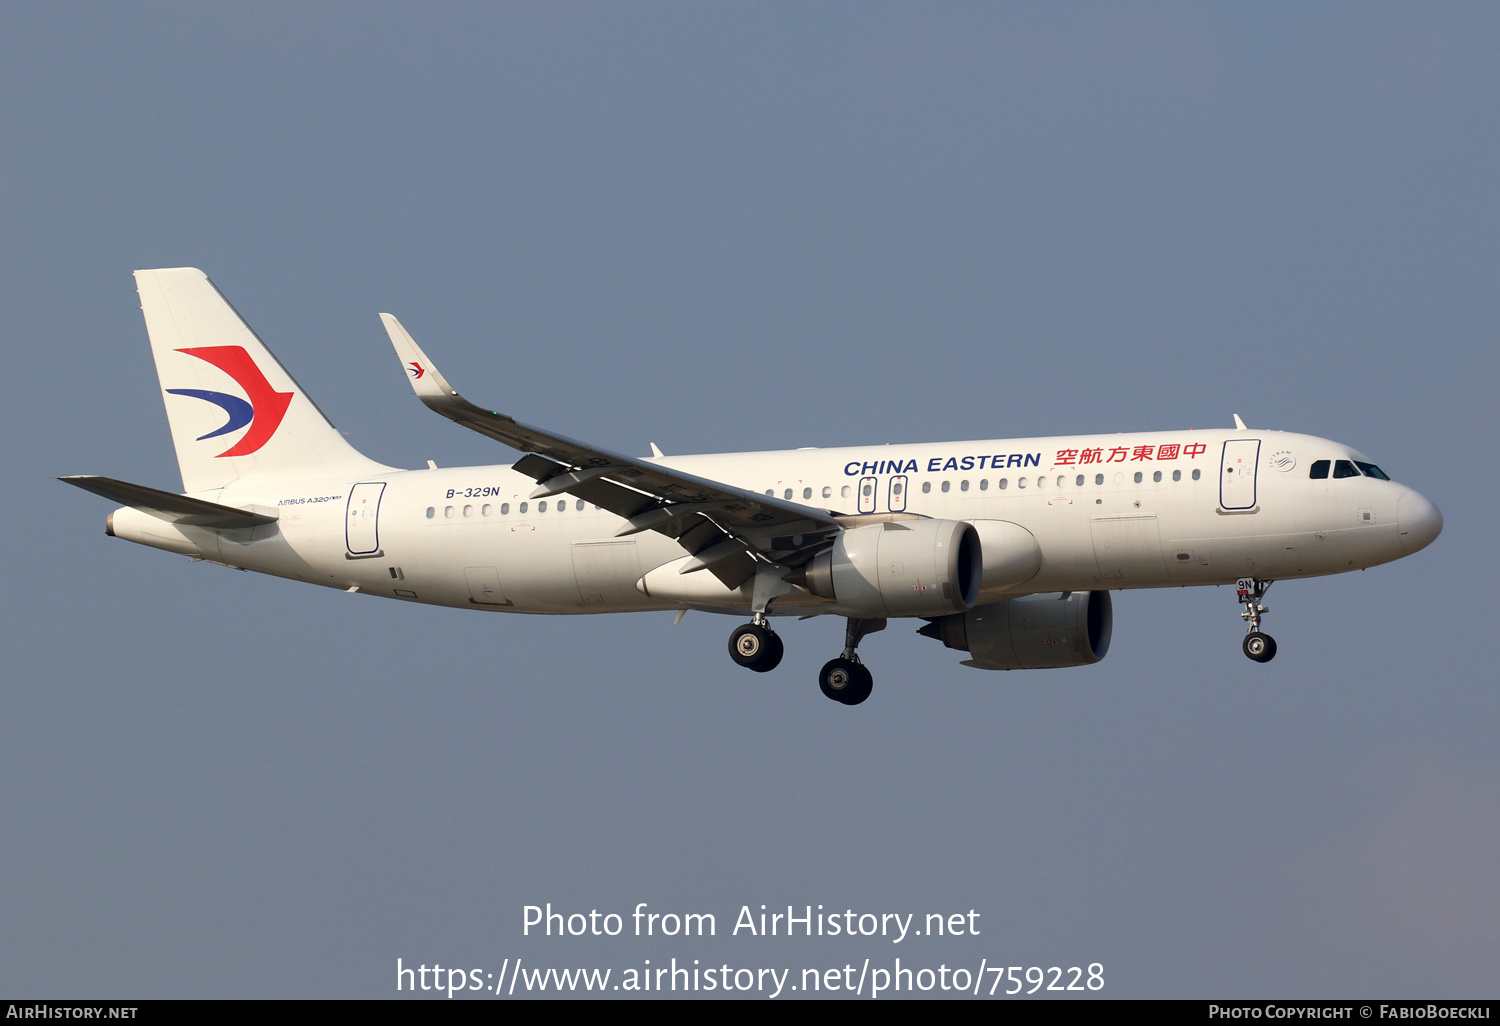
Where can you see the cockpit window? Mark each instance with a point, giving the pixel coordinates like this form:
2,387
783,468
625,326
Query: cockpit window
1319,470
1344,468
1371,470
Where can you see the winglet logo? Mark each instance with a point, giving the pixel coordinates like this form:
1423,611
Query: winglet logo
263,412
415,369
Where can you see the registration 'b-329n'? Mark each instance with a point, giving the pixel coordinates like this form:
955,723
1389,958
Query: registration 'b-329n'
1006,549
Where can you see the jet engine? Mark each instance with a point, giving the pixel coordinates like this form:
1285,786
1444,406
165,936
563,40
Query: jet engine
1033,632
900,568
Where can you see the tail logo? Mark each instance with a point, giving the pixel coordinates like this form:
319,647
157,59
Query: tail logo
263,412
416,370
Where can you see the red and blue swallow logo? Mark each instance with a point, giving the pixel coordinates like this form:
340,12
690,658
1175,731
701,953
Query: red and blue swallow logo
264,410
416,370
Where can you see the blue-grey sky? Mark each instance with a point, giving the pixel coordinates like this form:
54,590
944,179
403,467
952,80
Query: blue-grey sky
751,226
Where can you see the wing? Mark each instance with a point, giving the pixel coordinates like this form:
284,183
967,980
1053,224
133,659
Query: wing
727,529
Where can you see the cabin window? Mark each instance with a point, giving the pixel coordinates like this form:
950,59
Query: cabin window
1371,470
963,485
771,492
1197,474
1020,482
1156,477
827,492
867,489
1002,484
807,493
1319,471
431,512
844,492
787,494
484,510
1041,482
1344,468
1079,482
468,511
1098,479
984,483
946,486
504,508
926,487
1176,475
1061,481
447,511
541,507
1139,477
523,507
562,505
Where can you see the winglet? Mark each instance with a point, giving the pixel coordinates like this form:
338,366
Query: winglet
426,380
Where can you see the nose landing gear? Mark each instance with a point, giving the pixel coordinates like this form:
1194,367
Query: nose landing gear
1258,646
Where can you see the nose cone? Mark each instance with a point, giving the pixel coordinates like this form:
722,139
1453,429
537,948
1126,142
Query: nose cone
1418,522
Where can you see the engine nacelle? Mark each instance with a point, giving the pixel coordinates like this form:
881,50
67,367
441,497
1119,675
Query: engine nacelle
1011,557
1033,632
901,568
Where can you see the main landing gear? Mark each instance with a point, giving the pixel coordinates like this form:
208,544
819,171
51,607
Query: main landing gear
846,679
755,646
1258,646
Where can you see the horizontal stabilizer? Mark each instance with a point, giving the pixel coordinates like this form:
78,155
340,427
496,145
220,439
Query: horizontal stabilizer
169,506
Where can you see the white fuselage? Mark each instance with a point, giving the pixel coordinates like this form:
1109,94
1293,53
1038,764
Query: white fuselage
1107,512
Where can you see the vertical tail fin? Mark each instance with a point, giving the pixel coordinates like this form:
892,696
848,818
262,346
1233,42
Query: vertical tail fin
211,366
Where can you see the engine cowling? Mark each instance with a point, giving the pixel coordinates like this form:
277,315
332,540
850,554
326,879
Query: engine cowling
1011,557
1033,632
901,568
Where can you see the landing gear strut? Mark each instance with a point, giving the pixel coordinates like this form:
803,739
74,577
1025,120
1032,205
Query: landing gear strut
1258,646
755,646
846,679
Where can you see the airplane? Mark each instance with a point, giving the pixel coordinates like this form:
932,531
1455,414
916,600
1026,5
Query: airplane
1005,550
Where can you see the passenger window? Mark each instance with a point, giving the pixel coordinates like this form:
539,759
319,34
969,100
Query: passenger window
1041,482
431,512
844,492
1344,468
1319,470
1371,470
562,505
1079,482
1020,482
926,487
827,492
1098,479
984,484
946,486
1061,481
485,510
1156,477
1002,484
866,490
1197,474
771,492
963,485
1176,475
541,507
807,493
504,508
523,507
787,494
1138,477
